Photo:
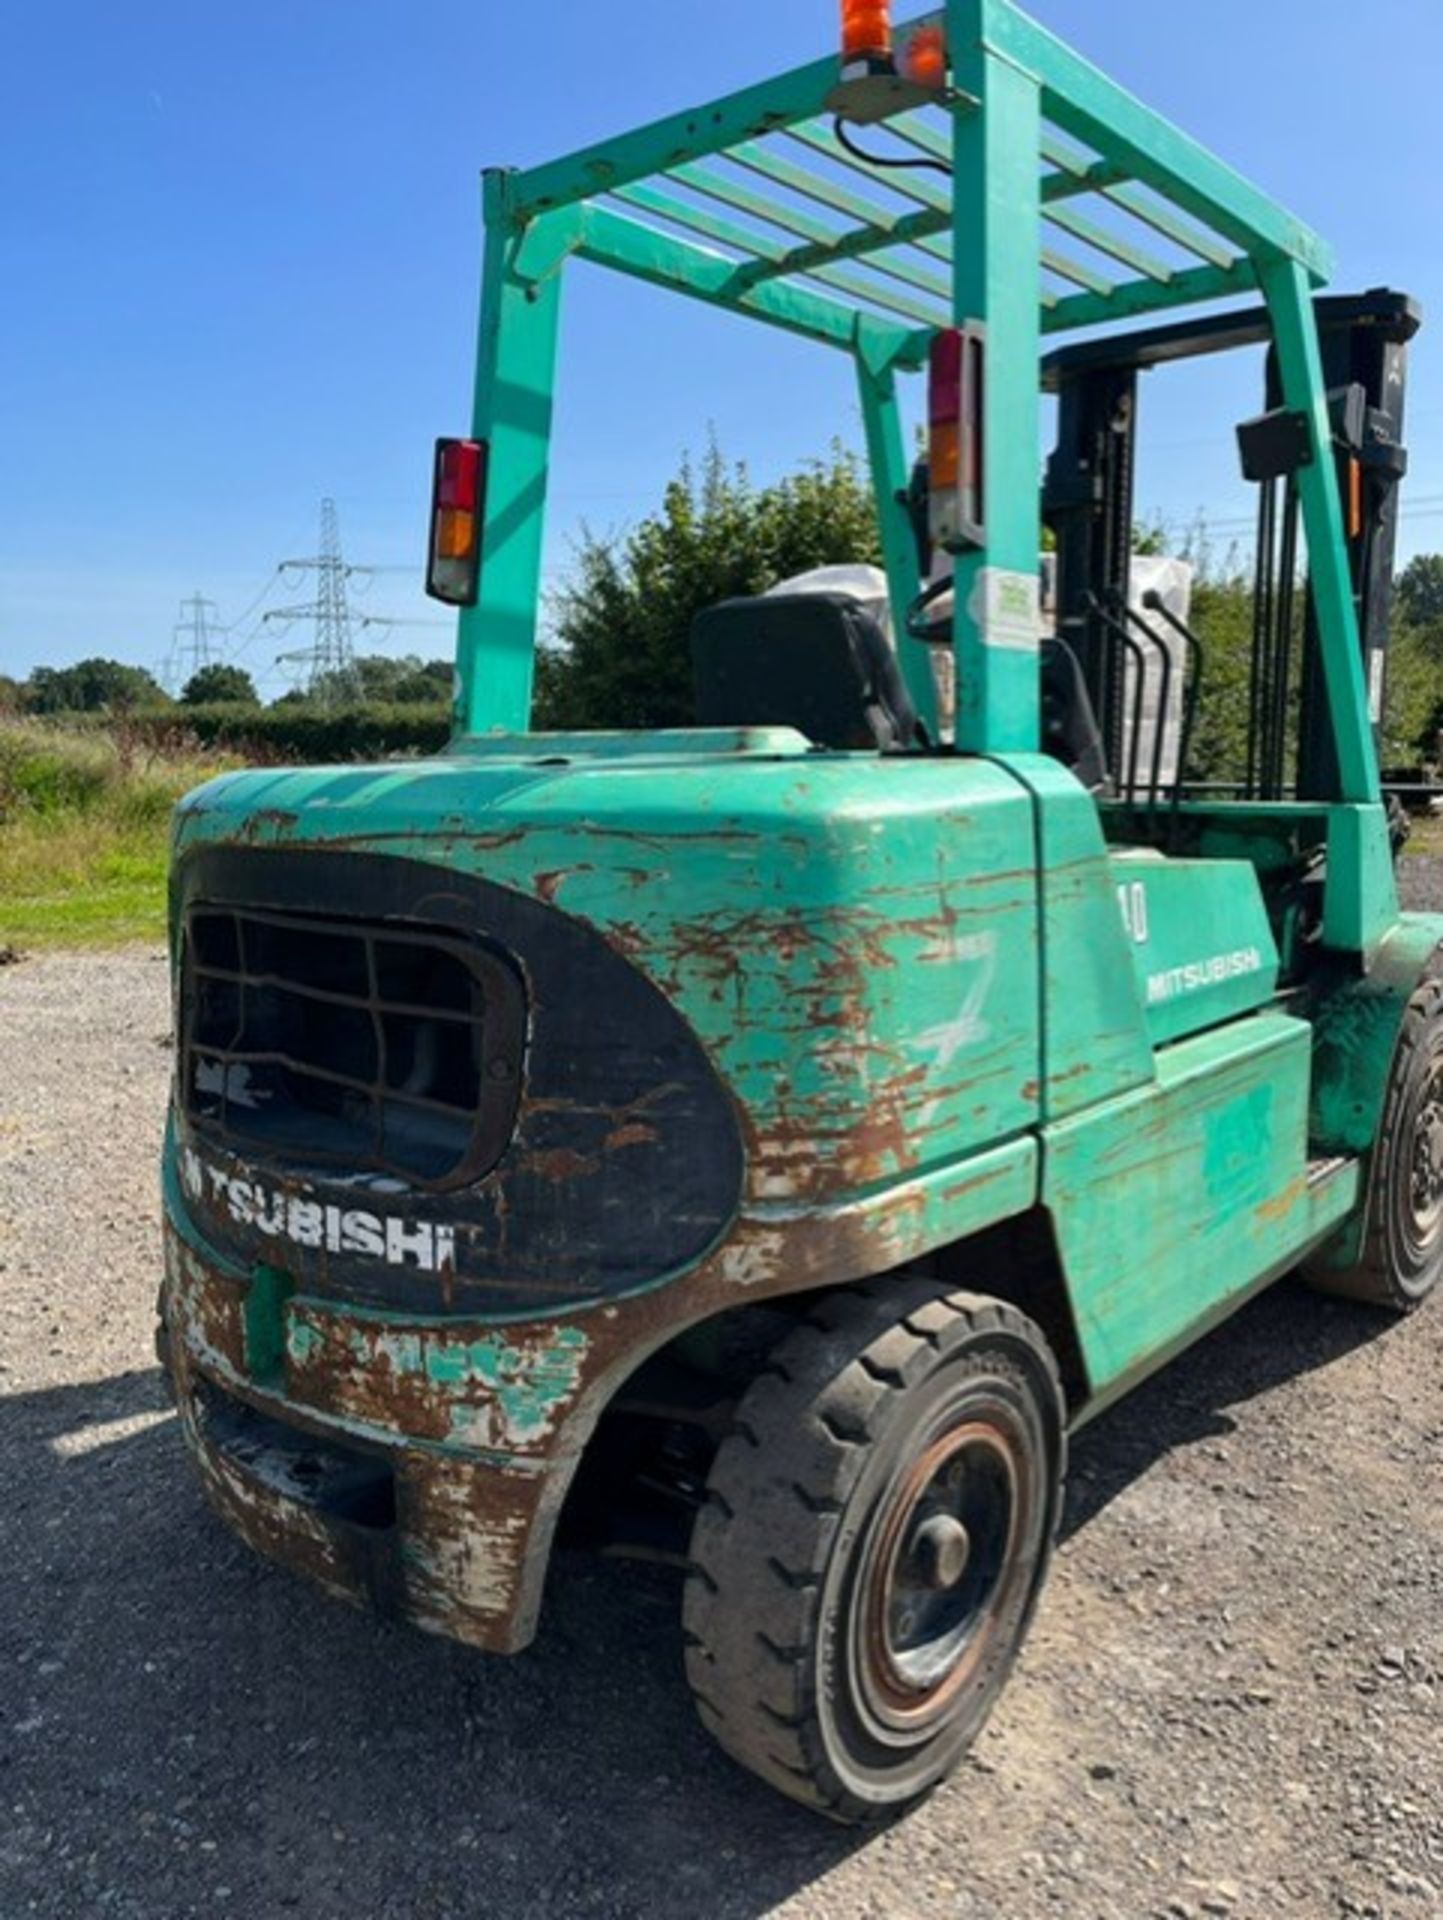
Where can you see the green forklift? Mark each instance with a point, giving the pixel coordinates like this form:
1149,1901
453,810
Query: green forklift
757,1146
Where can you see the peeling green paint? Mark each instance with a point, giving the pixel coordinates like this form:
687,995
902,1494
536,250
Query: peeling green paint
401,1351
489,1392
530,1383
303,1343
264,1322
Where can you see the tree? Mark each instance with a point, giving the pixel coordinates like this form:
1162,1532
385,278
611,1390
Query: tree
92,686
622,623
1420,592
1415,663
1222,615
1415,696
425,682
375,679
220,685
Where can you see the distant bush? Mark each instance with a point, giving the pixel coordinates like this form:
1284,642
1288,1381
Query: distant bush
378,679
285,734
313,735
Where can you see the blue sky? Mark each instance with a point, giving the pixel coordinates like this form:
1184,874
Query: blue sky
240,252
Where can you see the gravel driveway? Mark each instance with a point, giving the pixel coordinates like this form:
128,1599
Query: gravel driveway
1232,1704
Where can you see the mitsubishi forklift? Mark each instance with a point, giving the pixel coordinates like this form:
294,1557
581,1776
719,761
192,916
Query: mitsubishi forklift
758,1145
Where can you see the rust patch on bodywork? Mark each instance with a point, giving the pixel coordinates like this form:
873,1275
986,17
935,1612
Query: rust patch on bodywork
548,885
862,1036
1282,1204
475,1385
267,824
483,1424
560,1164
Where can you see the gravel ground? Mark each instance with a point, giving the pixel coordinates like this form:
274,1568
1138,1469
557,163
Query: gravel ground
1232,1703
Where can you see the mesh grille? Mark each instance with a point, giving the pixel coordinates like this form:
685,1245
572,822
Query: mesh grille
324,1042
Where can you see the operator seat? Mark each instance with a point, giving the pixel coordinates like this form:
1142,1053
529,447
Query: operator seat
819,662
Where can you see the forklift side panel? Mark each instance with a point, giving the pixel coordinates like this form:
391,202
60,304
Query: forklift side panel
1174,1203
1095,1042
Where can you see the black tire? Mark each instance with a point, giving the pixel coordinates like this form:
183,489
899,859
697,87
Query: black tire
877,1529
1401,1259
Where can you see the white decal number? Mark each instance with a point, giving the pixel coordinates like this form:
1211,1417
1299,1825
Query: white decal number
1132,898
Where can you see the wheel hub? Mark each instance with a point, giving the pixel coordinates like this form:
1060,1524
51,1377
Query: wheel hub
1427,1183
941,1547
941,1556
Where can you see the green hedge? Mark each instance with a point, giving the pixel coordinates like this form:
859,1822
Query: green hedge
316,736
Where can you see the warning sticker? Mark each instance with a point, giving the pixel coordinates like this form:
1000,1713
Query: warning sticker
1377,661
1006,609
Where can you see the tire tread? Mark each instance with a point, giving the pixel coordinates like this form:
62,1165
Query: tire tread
776,1496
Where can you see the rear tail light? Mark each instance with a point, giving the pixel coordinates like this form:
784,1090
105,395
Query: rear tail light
957,511
458,506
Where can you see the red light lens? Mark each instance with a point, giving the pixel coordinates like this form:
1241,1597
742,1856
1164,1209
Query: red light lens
458,474
944,396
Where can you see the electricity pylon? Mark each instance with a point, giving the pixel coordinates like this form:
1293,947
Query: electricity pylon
329,663
195,643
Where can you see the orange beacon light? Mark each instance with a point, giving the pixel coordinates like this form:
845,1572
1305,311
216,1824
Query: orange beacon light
866,32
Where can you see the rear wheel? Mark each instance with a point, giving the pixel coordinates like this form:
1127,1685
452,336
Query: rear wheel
877,1530
1402,1256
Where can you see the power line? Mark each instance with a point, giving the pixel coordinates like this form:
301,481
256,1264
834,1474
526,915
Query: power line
1240,524
240,620
389,620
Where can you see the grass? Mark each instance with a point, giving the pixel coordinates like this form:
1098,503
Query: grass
1426,837
84,820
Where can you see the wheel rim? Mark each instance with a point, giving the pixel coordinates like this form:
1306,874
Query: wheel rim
1425,1185
941,1566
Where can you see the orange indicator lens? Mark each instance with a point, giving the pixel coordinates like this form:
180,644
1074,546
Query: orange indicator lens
924,61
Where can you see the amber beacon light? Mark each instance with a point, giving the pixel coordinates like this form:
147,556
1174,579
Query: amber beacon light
878,78
867,34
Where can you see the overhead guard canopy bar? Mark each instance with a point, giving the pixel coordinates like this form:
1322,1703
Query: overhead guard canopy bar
1058,202
1139,165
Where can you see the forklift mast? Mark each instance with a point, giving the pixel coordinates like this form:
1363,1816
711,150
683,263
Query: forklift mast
1089,500
1365,345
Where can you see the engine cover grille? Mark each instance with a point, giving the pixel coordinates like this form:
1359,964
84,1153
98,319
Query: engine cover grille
456,1100
326,1042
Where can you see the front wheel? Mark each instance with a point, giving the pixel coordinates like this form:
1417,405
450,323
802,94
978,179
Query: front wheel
877,1530
1401,1261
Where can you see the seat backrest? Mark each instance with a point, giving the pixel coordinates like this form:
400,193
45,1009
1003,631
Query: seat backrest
818,662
